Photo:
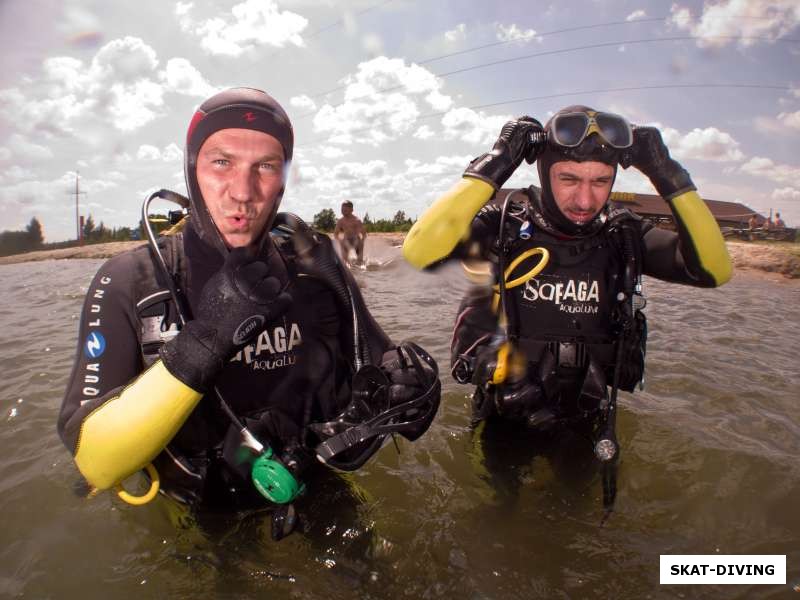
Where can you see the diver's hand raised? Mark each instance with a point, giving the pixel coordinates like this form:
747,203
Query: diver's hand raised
650,155
235,305
515,143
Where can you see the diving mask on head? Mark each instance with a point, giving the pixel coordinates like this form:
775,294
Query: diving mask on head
580,134
570,129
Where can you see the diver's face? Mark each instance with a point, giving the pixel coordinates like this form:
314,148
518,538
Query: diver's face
347,210
581,189
240,174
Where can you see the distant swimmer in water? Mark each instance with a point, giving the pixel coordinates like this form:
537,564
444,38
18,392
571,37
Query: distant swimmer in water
561,329
229,358
351,234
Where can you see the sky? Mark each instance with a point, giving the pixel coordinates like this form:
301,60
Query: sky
390,99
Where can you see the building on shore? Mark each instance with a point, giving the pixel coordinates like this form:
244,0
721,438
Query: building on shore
653,208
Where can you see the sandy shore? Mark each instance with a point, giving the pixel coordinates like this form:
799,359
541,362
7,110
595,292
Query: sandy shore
781,260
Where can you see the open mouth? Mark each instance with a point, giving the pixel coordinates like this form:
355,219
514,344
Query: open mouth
238,221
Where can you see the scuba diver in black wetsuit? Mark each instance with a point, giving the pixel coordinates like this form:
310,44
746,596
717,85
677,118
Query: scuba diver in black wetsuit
563,329
224,358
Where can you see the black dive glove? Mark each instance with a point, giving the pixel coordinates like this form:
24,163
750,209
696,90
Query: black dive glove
517,142
650,155
411,376
235,304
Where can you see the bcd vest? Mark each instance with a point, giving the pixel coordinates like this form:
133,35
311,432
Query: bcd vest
570,319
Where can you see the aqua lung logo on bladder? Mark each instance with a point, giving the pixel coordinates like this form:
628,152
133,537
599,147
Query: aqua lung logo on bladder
95,345
247,328
570,295
273,349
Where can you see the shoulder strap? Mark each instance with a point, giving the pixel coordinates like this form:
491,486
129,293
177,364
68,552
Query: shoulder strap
155,309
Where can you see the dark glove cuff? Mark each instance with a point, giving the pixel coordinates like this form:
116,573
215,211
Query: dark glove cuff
492,168
672,180
189,359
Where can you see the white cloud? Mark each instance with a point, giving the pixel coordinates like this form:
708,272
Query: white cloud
333,152
424,133
135,105
708,144
766,168
507,33
170,153
303,101
632,180
475,128
20,148
787,193
637,14
359,171
457,34
442,165
250,24
183,8
721,21
382,101
5,153
182,77
768,125
18,173
120,87
791,120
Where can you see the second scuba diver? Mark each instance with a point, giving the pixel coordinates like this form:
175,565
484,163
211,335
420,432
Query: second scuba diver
228,357
563,331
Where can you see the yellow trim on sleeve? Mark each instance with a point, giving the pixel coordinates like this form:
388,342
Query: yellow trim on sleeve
705,235
125,433
446,223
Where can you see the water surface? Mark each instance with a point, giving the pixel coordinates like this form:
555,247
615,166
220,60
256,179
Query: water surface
709,465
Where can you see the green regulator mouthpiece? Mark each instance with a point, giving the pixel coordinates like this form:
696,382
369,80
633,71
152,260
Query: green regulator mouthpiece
273,480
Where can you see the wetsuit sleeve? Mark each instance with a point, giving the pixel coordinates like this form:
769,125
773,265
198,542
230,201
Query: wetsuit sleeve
696,254
115,418
446,224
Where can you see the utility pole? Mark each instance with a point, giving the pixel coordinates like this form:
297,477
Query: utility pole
77,192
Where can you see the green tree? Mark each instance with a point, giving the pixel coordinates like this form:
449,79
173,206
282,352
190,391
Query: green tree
325,220
14,242
367,220
34,229
123,234
88,228
399,219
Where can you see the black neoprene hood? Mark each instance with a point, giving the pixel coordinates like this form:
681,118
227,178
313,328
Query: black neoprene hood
235,108
593,148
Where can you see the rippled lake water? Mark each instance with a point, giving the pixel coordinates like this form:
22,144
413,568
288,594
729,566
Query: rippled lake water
709,465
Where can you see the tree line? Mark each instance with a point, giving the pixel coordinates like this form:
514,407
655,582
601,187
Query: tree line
32,238
325,220
14,242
